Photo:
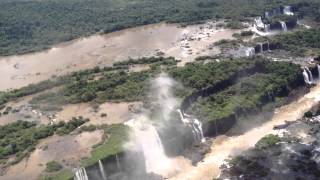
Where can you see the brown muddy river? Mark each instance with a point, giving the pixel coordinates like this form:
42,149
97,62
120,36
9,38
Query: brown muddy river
102,50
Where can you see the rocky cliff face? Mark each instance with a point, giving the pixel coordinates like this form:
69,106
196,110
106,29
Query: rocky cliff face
125,165
293,154
221,126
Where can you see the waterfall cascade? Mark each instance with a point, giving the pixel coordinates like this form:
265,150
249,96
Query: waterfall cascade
287,11
195,124
284,26
147,137
267,27
81,174
318,67
266,14
259,23
102,172
310,74
118,162
268,46
250,52
307,75
261,47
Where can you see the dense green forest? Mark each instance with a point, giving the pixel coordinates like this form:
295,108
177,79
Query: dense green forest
304,42
116,84
199,76
250,93
30,25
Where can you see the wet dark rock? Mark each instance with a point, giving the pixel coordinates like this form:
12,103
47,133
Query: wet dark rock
198,151
176,137
131,166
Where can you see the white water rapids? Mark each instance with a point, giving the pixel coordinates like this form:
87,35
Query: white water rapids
147,137
224,146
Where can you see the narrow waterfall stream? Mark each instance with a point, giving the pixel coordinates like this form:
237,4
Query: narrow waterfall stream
309,74
102,171
306,77
81,174
224,146
261,47
118,162
195,124
318,67
284,26
250,52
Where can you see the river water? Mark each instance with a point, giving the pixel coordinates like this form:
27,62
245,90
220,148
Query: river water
103,50
224,146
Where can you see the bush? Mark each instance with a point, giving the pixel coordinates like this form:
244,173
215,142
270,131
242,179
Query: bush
89,128
298,42
246,33
53,166
267,141
308,114
71,125
103,115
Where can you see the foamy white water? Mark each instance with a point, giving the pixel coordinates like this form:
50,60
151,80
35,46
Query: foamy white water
147,138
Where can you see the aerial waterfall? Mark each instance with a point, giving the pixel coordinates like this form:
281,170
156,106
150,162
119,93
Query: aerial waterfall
266,14
163,86
118,162
284,26
259,23
81,174
287,11
250,52
267,27
103,173
307,75
310,74
261,47
145,136
318,67
148,139
195,124
198,127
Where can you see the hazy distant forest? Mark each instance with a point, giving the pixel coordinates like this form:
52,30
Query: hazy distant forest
30,25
